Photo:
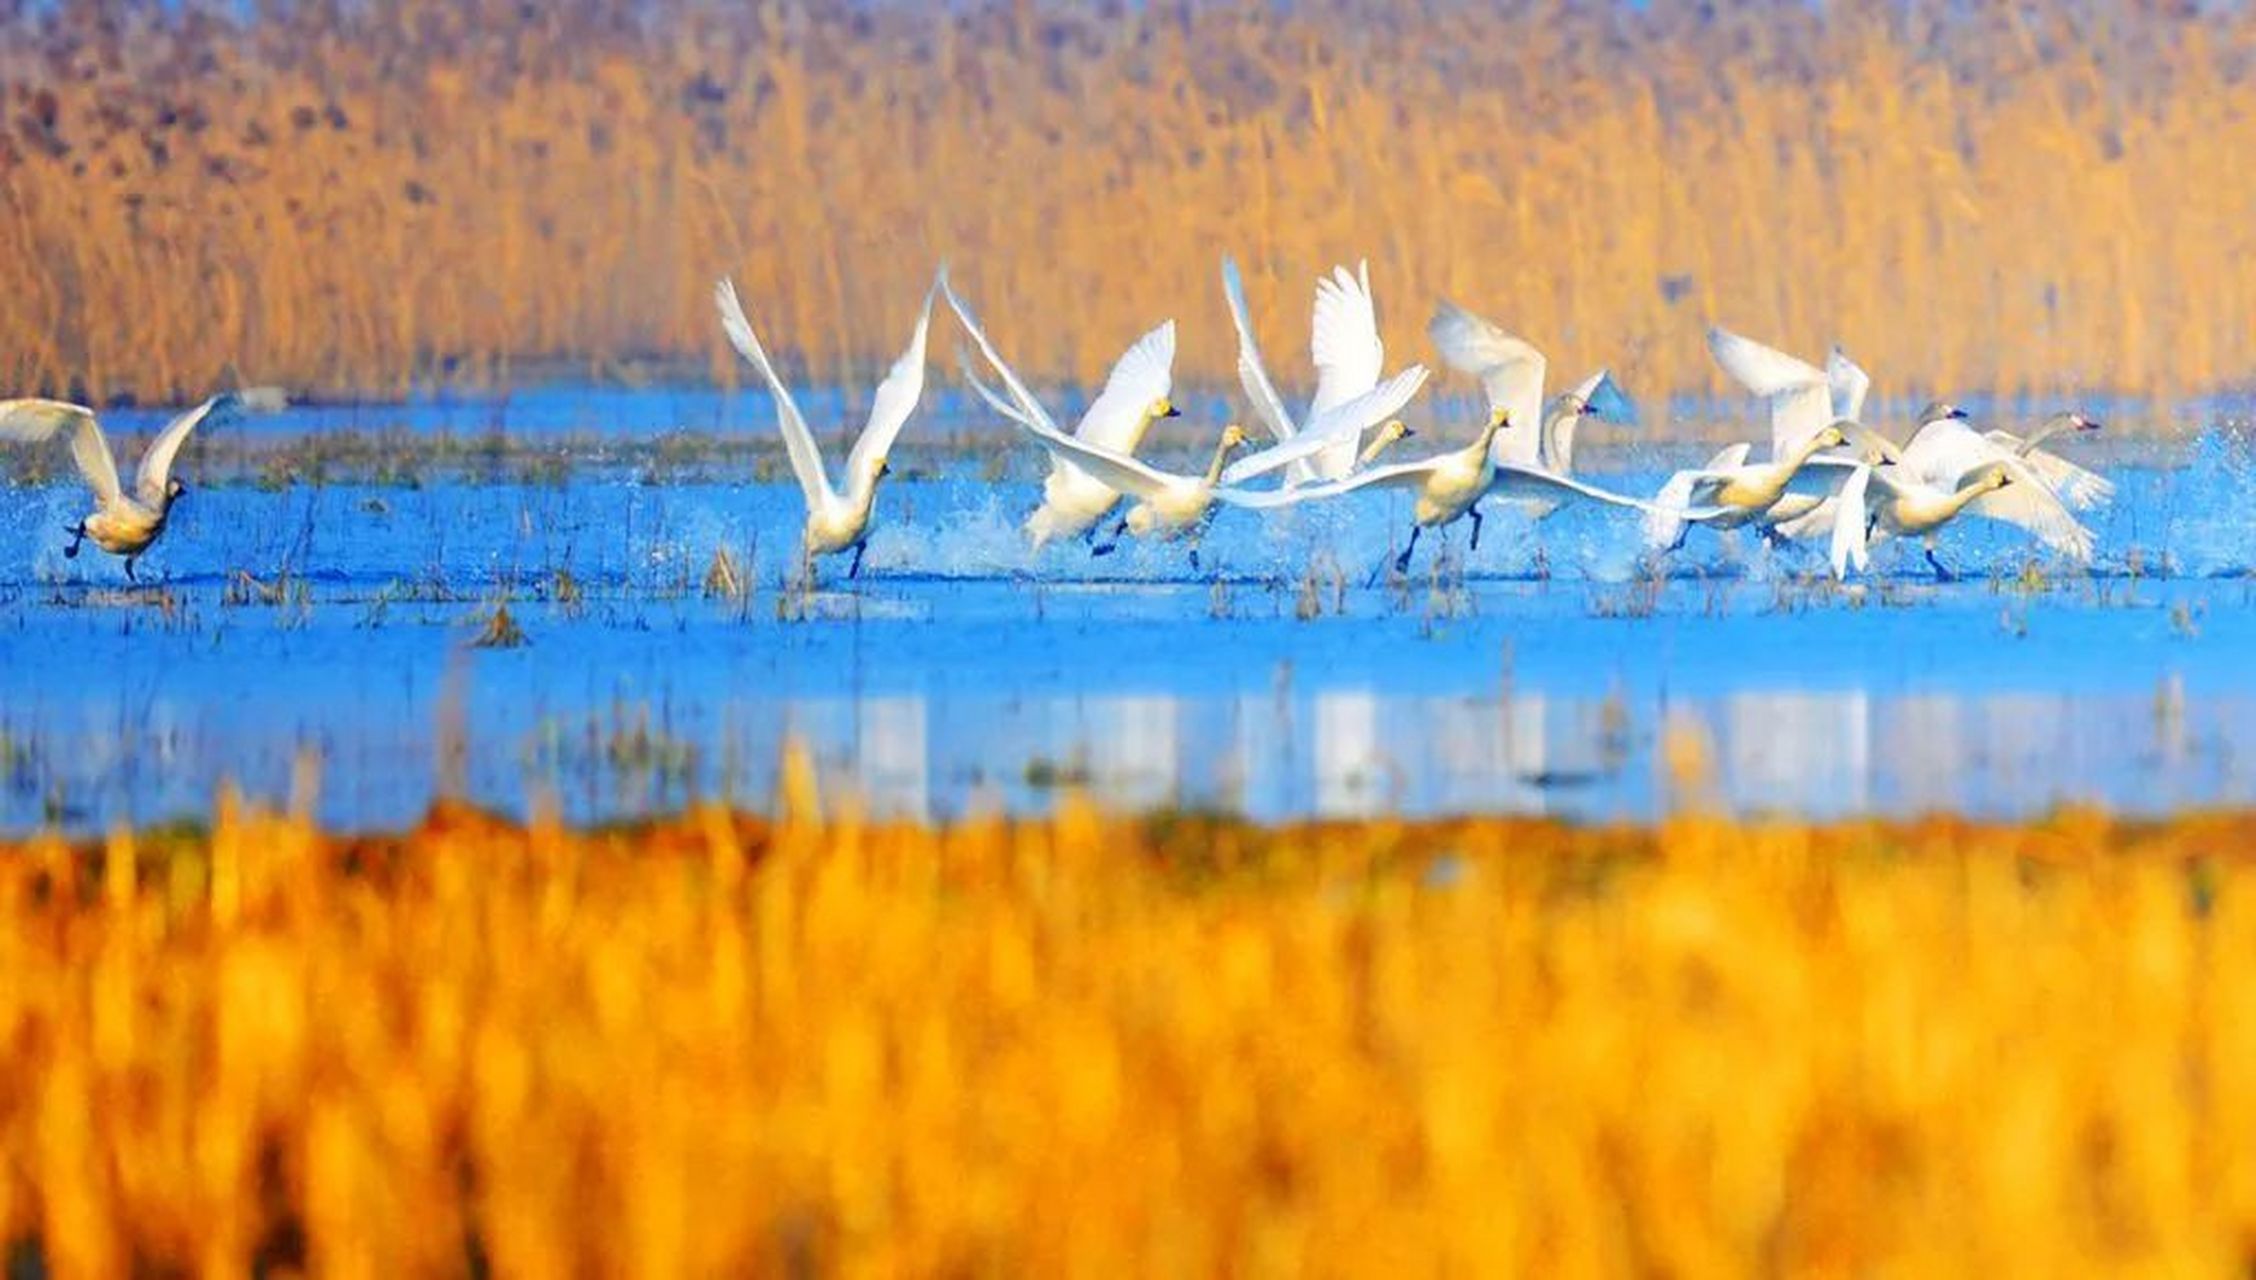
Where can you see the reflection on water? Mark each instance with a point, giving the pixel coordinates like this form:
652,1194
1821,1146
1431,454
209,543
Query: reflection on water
1283,752
1356,752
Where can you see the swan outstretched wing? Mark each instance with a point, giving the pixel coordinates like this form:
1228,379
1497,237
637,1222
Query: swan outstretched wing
156,463
1846,384
1143,375
1797,393
2079,487
798,439
1030,413
1946,450
1510,370
1515,481
2028,504
1848,549
1268,406
896,396
1112,468
1332,426
996,400
1394,475
37,421
1344,339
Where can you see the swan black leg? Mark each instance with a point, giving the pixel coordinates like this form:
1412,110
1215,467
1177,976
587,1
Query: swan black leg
1402,562
854,570
1119,531
129,571
78,535
1474,512
1683,531
1942,571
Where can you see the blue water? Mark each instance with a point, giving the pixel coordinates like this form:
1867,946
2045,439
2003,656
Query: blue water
963,671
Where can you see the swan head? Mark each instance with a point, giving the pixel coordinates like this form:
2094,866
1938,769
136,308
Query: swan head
1394,429
2078,422
1942,411
1164,408
1831,437
1233,437
1499,418
1990,478
173,491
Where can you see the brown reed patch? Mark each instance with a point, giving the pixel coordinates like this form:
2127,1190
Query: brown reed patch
2021,198
730,1045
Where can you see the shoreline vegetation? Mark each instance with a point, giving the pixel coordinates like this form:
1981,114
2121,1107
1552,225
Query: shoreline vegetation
722,1043
364,199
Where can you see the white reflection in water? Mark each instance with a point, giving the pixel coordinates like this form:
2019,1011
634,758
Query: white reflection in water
1351,773
1798,750
892,764
1923,749
1134,749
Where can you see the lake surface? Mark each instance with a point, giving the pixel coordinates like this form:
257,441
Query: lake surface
338,623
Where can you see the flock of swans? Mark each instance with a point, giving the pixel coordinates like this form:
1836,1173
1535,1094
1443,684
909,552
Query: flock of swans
1827,478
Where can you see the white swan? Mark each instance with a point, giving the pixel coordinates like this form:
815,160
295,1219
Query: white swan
1135,395
1451,485
1946,452
1892,500
836,521
1801,398
123,523
1511,372
1170,505
2080,488
1344,343
1738,492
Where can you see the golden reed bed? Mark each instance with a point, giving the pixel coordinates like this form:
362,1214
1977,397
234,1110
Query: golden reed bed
2026,197
1091,1045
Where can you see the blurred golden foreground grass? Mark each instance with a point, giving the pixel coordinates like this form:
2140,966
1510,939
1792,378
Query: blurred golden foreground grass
1089,1045
2032,197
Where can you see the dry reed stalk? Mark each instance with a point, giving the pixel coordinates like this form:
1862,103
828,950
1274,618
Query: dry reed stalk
356,200
724,1044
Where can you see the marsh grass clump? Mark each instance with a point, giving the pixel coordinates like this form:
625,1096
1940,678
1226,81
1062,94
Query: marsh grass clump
499,630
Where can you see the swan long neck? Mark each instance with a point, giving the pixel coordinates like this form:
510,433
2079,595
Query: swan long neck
1379,444
1558,439
1487,437
1222,450
1959,499
2051,427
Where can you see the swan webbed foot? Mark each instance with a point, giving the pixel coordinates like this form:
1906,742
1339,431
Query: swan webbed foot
1102,549
1683,531
1942,571
1194,559
78,535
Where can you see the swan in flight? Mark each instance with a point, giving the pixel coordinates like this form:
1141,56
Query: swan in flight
836,521
1801,398
1451,485
1737,492
1890,499
1511,373
124,522
1947,452
1169,505
1135,396
1349,357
